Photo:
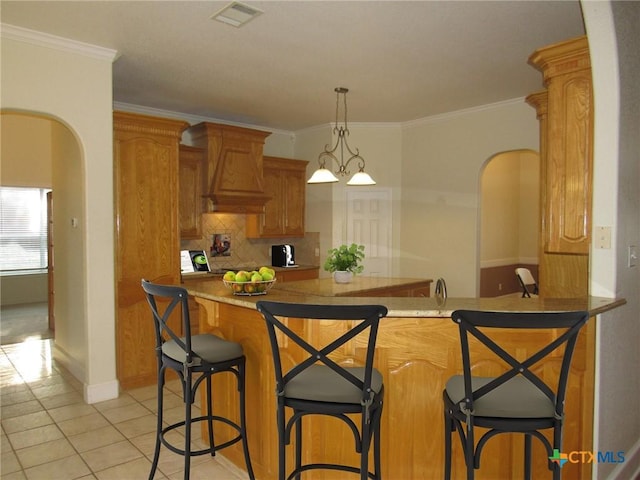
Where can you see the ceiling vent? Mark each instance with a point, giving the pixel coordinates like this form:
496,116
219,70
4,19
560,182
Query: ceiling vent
236,14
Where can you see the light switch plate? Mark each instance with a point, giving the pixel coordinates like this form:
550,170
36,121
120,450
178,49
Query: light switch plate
633,255
602,237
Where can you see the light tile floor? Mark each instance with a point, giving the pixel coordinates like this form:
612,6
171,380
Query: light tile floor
48,432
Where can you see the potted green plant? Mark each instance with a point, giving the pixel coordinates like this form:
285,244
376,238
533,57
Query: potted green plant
344,262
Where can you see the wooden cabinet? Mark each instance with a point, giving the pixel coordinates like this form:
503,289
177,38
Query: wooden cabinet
147,242
285,182
565,113
293,275
420,288
566,69
191,187
234,180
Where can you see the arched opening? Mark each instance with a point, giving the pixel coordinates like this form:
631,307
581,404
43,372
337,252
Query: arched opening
509,220
39,150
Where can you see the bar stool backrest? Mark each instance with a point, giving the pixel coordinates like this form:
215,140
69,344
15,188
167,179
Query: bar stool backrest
162,315
471,323
364,317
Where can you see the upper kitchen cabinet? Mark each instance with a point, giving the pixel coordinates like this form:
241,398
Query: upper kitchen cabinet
147,243
285,182
567,141
233,167
191,187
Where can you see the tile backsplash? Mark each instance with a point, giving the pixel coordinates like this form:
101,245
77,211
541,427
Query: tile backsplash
247,251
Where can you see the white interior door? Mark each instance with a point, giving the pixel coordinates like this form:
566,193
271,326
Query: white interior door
369,224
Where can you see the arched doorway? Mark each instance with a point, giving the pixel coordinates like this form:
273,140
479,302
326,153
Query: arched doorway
509,220
39,150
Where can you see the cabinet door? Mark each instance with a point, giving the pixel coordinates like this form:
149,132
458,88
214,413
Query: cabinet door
147,241
569,179
272,222
294,275
566,146
294,188
191,175
285,183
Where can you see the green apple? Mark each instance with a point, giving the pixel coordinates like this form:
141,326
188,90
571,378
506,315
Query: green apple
267,276
242,276
264,270
256,277
230,276
238,288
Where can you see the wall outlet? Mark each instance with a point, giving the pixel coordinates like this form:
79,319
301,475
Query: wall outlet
500,287
317,252
602,237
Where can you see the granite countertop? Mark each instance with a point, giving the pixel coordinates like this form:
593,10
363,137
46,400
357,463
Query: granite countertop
327,287
293,292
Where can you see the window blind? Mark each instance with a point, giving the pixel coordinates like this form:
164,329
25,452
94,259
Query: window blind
23,229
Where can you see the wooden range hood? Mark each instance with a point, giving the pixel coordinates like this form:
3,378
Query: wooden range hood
233,167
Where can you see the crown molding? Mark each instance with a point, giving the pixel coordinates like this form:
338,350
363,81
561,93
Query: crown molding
191,119
458,113
41,39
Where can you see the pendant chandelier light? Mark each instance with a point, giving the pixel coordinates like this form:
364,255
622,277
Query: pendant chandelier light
324,174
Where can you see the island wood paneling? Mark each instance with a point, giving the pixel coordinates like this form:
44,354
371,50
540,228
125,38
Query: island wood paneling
415,356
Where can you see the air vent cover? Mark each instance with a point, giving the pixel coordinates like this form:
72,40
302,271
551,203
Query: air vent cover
236,14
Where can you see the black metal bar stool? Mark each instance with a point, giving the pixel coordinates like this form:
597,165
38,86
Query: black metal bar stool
517,401
320,386
195,359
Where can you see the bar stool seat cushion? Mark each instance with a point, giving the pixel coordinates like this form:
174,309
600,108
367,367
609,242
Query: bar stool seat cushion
208,347
322,384
516,398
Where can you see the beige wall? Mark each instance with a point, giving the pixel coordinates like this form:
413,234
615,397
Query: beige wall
441,163
75,89
529,228
500,210
319,210
26,151
510,192
69,247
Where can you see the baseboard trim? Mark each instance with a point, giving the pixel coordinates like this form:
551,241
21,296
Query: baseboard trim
91,393
70,363
101,391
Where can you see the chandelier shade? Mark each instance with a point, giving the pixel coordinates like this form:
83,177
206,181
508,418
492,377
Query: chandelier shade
330,155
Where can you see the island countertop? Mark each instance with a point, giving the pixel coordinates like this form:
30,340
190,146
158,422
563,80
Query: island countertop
416,352
326,291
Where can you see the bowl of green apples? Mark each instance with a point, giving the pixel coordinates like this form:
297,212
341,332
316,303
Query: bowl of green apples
256,282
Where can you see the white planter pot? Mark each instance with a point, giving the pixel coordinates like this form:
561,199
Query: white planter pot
342,277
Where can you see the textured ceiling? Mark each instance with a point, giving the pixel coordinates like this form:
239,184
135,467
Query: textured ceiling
400,60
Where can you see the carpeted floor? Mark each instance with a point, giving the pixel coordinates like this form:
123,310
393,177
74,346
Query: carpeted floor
22,322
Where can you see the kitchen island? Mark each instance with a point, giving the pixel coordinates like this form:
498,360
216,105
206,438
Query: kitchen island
417,350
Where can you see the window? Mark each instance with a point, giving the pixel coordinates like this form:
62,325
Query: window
23,230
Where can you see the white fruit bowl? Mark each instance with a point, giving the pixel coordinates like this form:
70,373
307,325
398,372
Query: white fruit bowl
249,288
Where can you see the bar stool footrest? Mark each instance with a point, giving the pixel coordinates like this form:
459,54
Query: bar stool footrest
328,466
195,453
